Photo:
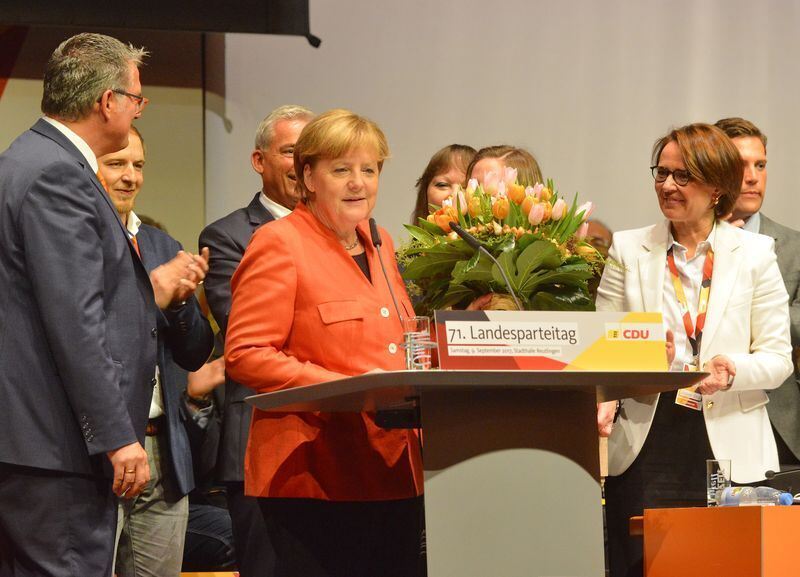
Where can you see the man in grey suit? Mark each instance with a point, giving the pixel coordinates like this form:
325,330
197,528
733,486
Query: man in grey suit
227,238
78,327
784,402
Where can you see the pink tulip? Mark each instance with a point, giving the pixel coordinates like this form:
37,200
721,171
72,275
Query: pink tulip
490,182
536,215
537,190
510,176
462,201
501,189
582,231
559,209
586,208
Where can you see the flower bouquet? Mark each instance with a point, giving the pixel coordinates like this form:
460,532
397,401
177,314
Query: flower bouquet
535,235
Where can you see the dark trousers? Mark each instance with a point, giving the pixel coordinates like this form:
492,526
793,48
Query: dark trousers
669,471
209,540
55,524
316,538
255,555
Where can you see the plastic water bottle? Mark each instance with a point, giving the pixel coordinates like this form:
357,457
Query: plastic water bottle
744,496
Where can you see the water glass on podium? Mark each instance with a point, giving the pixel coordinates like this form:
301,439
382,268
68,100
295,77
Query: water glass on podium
417,343
718,477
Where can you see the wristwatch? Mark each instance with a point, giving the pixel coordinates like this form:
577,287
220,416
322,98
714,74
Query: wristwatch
199,402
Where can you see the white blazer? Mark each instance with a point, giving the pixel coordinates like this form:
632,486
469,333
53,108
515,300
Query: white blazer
747,320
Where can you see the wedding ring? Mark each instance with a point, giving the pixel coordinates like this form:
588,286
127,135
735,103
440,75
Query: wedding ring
130,470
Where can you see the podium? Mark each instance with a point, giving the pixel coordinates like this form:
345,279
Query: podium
511,462
753,541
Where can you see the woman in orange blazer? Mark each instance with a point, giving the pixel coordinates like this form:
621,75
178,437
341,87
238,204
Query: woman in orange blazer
340,496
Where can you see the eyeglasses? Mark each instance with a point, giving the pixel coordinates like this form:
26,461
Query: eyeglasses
140,100
681,177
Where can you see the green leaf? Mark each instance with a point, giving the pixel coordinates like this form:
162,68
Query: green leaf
540,254
562,299
431,265
430,227
481,271
455,294
423,236
506,260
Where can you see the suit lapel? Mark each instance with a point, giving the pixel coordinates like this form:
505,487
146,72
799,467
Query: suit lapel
726,269
146,250
652,263
49,131
257,213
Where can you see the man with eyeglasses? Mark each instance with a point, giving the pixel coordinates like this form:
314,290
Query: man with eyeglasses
78,321
227,238
784,402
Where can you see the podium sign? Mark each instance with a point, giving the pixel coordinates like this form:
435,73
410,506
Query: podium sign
550,341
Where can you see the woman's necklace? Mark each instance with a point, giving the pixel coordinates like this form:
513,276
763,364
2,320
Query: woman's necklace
351,246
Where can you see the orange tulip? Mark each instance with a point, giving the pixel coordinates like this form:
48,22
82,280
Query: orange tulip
474,205
516,192
500,207
444,216
527,203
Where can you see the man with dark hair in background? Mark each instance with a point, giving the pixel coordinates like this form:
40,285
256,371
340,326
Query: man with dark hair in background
78,327
784,402
273,159
151,527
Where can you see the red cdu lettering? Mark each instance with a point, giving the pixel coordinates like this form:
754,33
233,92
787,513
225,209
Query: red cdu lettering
635,334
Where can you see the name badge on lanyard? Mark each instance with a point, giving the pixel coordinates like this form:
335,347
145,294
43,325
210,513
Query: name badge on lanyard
694,330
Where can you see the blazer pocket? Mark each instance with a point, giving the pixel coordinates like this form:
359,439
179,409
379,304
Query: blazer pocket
749,400
340,311
343,322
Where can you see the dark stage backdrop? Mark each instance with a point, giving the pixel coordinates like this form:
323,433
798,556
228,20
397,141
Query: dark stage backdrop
253,16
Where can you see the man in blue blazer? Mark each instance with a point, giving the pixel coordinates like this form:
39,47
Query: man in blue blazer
153,524
784,402
273,159
78,321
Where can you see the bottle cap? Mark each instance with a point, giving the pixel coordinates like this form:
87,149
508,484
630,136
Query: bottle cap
785,499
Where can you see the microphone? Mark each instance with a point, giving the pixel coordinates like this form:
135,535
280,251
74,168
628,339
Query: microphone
377,242
788,480
478,245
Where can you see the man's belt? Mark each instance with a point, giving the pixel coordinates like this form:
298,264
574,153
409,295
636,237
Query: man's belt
156,426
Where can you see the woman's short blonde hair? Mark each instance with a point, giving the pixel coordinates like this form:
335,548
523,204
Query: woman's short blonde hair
332,134
710,157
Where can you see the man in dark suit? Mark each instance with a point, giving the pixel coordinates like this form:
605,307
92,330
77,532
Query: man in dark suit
227,239
78,328
784,402
152,525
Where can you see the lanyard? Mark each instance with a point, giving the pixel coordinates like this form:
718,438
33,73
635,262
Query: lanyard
694,331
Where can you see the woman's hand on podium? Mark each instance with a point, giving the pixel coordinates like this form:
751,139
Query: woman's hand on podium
670,347
605,417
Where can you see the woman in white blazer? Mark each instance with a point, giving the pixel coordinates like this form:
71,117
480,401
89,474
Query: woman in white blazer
659,443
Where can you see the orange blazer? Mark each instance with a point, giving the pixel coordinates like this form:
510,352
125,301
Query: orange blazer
302,312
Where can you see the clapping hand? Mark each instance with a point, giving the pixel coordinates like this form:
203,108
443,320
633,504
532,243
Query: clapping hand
175,281
721,370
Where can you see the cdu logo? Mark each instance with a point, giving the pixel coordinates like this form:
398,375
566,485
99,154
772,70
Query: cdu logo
633,332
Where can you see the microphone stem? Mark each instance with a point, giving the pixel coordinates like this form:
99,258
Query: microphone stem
388,284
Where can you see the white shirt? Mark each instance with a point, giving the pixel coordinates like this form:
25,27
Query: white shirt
157,401
691,276
753,222
275,209
79,142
